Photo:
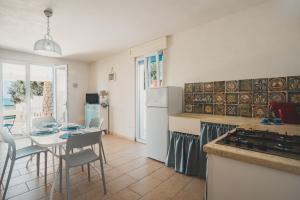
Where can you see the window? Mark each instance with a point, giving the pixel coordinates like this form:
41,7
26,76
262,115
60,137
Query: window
31,91
155,70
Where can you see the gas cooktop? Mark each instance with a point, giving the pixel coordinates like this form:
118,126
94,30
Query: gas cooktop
264,142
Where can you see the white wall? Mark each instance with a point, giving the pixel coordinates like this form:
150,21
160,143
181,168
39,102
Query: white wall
121,91
78,72
262,41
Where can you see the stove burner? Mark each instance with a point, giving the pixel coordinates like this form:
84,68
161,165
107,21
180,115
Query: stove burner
264,141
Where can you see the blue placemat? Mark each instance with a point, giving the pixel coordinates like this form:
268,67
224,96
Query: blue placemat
65,136
71,128
68,135
50,124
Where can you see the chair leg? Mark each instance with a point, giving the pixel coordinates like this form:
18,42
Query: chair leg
89,172
68,184
4,169
102,173
60,174
103,152
8,178
38,164
46,157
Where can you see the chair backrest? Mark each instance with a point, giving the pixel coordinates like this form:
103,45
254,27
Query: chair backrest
83,140
8,138
10,118
95,123
39,122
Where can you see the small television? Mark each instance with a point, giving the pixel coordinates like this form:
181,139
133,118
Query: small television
92,98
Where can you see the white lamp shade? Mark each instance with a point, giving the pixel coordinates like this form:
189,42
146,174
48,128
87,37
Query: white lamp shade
47,47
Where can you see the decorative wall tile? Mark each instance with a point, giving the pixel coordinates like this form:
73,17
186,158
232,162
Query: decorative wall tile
219,86
231,86
293,83
219,109
188,108
245,98
245,85
260,84
245,110
219,98
277,84
232,98
188,87
208,98
199,98
260,98
198,108
189,99
294,97
260,111
208,87
279,97
231,110
198,87
208,109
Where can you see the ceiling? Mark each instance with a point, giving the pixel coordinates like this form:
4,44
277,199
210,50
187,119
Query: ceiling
91,29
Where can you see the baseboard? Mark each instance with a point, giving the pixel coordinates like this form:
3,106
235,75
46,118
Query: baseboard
121,135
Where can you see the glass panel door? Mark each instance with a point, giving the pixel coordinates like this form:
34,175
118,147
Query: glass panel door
61,88
141,83
14,98
41,86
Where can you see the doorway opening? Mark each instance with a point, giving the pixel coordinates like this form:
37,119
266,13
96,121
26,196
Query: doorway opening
149,74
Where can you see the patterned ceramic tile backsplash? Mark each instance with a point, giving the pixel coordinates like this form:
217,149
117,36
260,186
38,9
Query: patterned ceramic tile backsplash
247,98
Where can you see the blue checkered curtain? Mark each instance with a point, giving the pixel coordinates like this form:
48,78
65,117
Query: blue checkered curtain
186,153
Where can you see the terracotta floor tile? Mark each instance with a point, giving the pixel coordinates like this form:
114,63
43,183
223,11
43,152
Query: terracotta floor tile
120,183
145,185
193,191
125,194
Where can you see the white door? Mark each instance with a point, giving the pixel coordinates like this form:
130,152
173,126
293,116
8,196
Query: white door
61,93
141,85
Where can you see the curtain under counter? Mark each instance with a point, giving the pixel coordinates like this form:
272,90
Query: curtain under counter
185,153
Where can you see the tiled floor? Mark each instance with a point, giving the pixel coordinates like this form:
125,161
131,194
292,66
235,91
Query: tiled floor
129,176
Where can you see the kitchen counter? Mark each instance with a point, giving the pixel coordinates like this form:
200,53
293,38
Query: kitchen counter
242,122
252,157
190,123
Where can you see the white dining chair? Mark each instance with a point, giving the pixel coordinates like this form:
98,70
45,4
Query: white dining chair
39,122
14,154
94,123
85,156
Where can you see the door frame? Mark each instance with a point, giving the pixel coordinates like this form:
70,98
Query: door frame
137,98
55,67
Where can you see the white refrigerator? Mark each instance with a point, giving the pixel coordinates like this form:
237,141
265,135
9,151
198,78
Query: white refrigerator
160,103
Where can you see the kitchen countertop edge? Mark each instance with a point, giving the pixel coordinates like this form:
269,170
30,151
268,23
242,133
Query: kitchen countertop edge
252,157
